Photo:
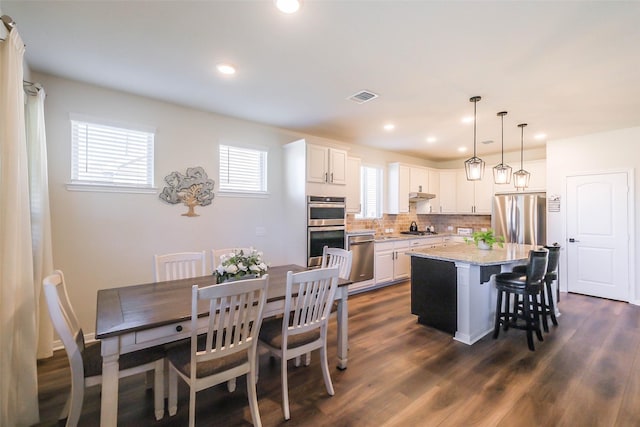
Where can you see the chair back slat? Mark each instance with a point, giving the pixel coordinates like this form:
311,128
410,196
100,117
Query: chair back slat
181,265
235,316
342,258
308,299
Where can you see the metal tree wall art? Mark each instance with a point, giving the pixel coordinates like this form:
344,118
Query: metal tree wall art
193,189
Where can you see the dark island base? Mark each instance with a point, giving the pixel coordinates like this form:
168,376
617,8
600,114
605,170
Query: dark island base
434,293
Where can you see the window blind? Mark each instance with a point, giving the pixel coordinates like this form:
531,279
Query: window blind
242,169
107,155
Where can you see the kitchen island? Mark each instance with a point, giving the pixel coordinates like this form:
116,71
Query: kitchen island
452,287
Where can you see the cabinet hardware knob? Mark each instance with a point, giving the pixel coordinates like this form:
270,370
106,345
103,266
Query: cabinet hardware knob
179,328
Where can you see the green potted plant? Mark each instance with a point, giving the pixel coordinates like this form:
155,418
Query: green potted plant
485,239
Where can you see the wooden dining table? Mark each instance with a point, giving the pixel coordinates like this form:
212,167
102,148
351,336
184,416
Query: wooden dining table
134,317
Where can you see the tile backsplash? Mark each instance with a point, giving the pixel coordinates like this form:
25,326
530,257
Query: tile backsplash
401,222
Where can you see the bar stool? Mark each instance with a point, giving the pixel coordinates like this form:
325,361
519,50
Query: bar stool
547,306
529,287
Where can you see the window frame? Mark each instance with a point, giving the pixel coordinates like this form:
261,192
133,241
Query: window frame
76,184
379,191
238,192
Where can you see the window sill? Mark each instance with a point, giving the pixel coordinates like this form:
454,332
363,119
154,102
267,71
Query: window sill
221,193
106,188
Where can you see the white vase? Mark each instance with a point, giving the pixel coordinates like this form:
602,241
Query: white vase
483,245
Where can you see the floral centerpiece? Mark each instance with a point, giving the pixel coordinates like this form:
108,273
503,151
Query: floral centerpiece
238,265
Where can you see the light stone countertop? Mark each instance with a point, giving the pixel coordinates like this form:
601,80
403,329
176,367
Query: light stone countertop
393,237
469,253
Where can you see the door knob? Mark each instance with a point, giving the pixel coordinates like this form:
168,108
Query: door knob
572,240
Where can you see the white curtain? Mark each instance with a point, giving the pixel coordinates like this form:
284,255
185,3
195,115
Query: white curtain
40,216
18,340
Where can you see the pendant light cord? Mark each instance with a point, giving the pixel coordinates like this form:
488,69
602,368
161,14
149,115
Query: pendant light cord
475,104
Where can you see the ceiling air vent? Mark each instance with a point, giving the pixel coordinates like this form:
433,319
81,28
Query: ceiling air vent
363,96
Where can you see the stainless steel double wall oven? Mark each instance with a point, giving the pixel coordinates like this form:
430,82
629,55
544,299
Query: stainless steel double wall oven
326,224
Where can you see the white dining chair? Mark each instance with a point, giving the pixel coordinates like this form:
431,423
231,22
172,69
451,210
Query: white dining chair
85,361
303,327
332,257
229,347
180,265
337,256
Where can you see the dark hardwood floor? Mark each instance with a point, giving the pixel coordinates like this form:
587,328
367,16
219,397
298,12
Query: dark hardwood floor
585,373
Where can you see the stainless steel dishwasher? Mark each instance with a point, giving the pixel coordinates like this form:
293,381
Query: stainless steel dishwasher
361,247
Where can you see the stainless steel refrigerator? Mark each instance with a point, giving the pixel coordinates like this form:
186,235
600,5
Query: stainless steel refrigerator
520,218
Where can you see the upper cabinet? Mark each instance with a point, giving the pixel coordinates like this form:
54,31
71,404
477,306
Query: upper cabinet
418,179
446,194
399,188
354,203
326,165
314,169
405,179
473,197
537,181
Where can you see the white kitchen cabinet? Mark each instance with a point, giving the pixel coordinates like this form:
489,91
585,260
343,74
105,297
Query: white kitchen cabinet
404,179
473,197
447,192
353,185
537,182
418,179
398,188
326,165
434,188
391,263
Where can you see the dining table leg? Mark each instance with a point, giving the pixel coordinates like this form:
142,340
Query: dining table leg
110,367
343,326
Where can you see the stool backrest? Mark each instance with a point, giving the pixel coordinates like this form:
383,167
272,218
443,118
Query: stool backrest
537,266
554,258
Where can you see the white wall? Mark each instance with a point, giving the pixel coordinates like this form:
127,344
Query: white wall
608,151
103,240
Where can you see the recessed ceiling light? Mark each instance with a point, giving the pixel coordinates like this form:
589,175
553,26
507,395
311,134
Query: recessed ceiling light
468,119
288,6
389,127
462,149
226,69
431,139
541,136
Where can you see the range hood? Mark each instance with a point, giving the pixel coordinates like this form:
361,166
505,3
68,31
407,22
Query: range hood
416,197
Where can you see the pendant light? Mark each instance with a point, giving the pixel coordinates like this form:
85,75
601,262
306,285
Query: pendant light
521,178
474,167
502,172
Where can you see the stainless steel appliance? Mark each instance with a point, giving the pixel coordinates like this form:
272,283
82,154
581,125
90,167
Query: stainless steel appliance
324,211
362,250
326,224
520,218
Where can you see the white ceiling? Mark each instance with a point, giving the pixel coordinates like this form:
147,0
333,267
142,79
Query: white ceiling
566,68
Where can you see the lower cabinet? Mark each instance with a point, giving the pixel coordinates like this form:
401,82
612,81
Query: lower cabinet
391,263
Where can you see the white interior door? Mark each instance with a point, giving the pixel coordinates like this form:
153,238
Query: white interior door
598,235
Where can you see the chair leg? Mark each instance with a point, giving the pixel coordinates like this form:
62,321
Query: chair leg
285,388
307,359
325,369
251,392
158,389
551,304
173,391
543,309
496,327
76,397
535,319
296,362
526,306
192,405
